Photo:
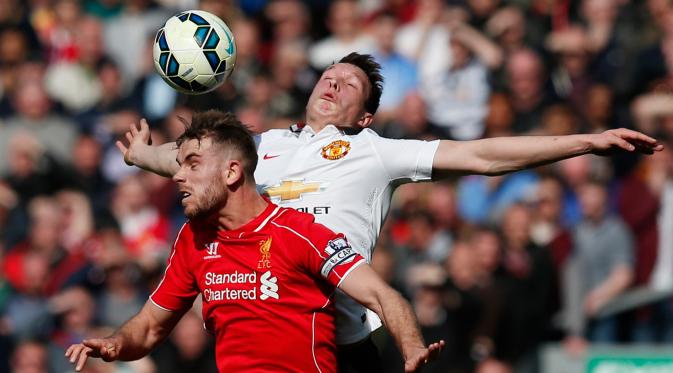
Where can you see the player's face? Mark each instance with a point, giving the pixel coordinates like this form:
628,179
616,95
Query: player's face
200,178
339,97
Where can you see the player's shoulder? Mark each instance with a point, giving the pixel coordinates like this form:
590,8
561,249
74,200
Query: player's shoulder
277,133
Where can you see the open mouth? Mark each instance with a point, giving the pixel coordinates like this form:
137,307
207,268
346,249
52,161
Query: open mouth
184,196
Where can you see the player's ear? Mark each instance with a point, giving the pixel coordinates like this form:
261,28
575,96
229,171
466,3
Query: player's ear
233,172
366,120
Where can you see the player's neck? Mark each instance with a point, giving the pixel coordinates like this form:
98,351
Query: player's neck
317,126
241,207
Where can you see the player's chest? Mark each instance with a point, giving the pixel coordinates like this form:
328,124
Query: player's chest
240,271
297,170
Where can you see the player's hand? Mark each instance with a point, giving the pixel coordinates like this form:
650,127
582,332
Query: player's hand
421,356
103,348
624,139
138,139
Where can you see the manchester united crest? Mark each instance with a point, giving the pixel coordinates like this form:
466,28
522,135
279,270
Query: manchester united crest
336,150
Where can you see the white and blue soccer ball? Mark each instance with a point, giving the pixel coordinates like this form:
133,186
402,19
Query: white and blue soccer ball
194,52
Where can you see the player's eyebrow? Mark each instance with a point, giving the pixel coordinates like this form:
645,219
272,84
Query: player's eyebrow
187,158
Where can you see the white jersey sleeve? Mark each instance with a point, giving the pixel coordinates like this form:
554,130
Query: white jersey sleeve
404,160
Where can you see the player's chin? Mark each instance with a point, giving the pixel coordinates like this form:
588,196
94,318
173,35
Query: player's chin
191,211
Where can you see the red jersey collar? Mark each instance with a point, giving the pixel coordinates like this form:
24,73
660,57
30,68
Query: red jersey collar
254,225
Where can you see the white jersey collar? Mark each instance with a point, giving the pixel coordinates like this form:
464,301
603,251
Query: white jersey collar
304,130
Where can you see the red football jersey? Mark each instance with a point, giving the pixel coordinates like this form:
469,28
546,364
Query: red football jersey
267,289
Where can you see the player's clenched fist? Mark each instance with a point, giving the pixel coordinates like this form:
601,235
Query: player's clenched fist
105,348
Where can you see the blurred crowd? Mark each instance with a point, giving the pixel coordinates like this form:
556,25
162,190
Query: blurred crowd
497,266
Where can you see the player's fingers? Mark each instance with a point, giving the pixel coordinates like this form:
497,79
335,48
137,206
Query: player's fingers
129,137
621,143
82,359
122,148
69,350
625,132
144,127
134,129
73,352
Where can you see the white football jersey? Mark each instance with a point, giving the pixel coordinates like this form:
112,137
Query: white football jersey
346,181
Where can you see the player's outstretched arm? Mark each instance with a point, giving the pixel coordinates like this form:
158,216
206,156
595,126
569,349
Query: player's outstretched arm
365,286
500,155
140,152
133,340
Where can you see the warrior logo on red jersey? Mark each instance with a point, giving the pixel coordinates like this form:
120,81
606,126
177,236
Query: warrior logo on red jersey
340,252
211,250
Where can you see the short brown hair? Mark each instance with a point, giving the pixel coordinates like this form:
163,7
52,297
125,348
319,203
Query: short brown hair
225,129
372,70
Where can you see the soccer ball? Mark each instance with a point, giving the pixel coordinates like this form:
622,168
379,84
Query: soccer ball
194,52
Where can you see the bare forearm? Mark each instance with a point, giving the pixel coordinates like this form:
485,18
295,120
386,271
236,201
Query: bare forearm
497,156
157,159
140,335
398,317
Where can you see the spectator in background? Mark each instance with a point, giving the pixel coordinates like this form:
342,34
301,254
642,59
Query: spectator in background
424,39
150,95
483,200
575,172
188,349
547,229
599,110
344,21
86,159
426,243
109,129
14,51
558,120
46,240
400,73
290,22
527,281
525,83
411,121
571,78
248,50
426,282
26,314
121,296
29,356
602,267
124,36
35,114
507,26
293,79
74,309
650,217
8,202
31,170
73,82
144,229
457,96
500,118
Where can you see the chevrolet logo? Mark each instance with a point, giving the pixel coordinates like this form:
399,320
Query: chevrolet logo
289,190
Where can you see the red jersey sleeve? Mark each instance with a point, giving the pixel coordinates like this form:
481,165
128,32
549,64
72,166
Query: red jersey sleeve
331,255
178,289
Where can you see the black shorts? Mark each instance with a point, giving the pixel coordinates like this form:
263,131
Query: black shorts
361,357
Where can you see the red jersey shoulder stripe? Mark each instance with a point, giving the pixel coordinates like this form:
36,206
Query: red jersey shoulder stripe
300,236
268,218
